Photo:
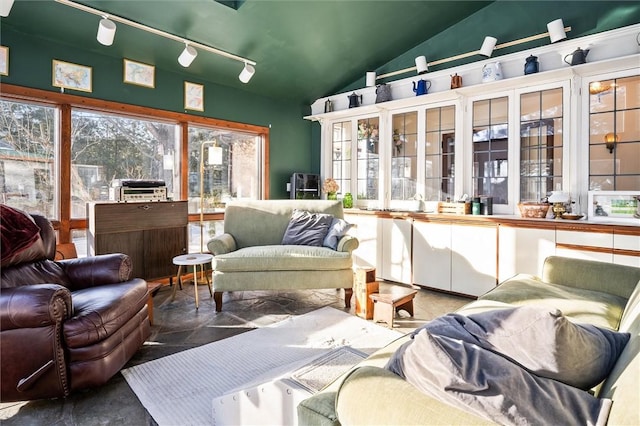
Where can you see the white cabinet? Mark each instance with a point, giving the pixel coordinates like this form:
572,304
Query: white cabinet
523,250
394,242
474,251
626,249
585,245
366,230
432,254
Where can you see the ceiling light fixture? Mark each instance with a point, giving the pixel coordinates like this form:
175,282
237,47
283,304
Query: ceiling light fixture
488,45
187,56
246,73
106,31
151,30
556,30
421,65
5,7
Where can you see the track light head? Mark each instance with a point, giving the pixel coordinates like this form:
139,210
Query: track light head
488,45
556,30
421,64
106,31
5,7
246,73
187,56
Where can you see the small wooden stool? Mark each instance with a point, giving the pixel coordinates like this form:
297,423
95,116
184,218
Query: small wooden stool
387,303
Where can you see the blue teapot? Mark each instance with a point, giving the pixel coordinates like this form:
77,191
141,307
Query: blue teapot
422,87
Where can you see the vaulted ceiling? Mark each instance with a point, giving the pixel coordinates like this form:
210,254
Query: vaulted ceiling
304,49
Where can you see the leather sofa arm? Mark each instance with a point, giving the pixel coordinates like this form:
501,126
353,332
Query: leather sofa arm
98,270
221,244
348,243
33,306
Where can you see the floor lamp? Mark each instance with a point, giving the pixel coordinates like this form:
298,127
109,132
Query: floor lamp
214,157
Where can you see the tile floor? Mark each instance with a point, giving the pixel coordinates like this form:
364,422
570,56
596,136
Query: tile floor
179,326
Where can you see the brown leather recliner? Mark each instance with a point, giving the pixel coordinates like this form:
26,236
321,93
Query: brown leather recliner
65,325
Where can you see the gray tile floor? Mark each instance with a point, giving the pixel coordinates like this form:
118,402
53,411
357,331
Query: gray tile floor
179,326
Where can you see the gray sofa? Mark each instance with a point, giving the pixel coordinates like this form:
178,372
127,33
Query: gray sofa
249,255
602,294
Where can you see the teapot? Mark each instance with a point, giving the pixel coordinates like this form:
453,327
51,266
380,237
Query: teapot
328,105
354,100
423,87
491,72
531,65
578,57
456,81
383,93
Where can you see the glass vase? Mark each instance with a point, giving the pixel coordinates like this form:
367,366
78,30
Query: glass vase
332,196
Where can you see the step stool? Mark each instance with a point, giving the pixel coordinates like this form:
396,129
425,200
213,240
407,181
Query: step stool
388,302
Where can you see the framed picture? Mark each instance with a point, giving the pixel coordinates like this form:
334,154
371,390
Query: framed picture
139,73
193,96
71,76
4,60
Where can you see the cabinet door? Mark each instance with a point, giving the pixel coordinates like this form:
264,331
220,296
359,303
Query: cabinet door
626,249
523,250
395,250
129,243
160,247
366,230
585,245
473,259
432,255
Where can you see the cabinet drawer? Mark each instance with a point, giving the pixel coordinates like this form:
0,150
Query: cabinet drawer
626,242
124,217
593,239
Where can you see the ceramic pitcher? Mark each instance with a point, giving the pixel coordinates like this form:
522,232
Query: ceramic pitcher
491,72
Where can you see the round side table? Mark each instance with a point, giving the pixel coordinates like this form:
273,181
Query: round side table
194,260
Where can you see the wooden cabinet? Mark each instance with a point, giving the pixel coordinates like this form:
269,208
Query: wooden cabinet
589,245
151,233
626,248
394,242
474,258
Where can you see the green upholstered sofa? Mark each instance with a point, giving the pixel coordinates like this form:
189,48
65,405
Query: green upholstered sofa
249,255
603,294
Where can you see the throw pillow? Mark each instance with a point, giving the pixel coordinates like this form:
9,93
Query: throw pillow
547,344
19,232
337,230
306,228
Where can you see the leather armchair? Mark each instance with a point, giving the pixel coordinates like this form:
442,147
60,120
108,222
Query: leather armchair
66,325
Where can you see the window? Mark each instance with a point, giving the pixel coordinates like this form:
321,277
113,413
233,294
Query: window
440,153
341,152
490,149
105,147
541,143
27,149
231,167
614,134
368,158
404,156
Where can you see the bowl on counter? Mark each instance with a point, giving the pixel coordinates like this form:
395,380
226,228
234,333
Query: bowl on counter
533,210
569,216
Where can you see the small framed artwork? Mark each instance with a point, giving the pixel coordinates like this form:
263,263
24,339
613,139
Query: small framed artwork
193,96
139,73
4,60
71,76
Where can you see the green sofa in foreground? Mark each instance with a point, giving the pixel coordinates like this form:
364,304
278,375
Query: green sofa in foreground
598,293
250,254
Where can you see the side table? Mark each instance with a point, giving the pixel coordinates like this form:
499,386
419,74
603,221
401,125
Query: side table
194,260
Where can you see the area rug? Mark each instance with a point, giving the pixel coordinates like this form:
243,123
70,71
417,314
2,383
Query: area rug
179,389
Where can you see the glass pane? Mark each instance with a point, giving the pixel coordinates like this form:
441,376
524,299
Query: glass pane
552,103
600,161
432,120
601,96
628,92
500,110
368,168
530,106
404,151
432,143
233,173
448,118
480,113
628,125
209,230
106,147
628,183
629,158
600,125
27,167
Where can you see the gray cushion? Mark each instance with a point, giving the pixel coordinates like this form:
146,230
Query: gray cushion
337,229
306,228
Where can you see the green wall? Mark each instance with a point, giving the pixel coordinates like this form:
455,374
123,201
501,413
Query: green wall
291,148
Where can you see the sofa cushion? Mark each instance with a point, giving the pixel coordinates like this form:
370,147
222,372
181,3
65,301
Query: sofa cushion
580,305
19,232
100,311
281,258
306,228
337,229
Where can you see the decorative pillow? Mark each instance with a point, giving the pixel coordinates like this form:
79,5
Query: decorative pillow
19,232
337,230
547,344
306,228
